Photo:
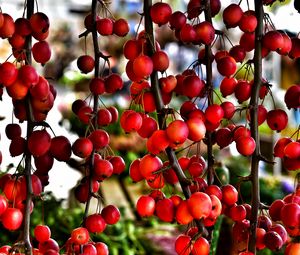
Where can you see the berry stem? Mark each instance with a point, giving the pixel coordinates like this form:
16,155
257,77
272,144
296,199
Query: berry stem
30,125
161,114
255,201
96,103
159,102
209,86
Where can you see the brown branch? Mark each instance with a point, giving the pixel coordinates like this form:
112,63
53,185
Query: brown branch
84,34
244,178
209,87
96,103
129,199
255,201
99,54
264,159
263,206
219,32
30,125
161,113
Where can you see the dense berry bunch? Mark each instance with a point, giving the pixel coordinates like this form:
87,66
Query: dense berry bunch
213,124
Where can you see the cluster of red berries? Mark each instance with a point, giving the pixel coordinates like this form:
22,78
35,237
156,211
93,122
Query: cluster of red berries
23,81
93,147
286,211
289,151
44,150
193,123
12,206
24,84
107,26
17,31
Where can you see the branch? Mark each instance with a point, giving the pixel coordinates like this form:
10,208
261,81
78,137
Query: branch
209,87
84,34
161,113
264,159
263,206
30,125
96,103
255,201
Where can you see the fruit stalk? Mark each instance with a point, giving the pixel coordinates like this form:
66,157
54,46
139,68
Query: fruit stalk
159,102
161,112
30,125
209,85
96,100
255,201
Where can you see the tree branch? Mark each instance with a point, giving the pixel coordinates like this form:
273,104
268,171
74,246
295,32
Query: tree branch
30,125
255,201
209,87
161,113
96,103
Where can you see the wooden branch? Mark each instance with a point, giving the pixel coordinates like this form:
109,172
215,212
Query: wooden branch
96,104
30,125
84,34
255,201
161,113
209,87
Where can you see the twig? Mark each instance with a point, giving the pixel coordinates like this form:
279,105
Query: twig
255,201
183,180
159,102
95,106
84,34
209,86
30,126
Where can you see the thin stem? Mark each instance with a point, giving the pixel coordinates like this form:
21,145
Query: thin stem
96,103
30,125
159,102
255,201
187,147
162,114
209,85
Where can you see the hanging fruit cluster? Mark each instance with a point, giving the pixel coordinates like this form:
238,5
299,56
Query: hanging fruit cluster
26,87
94,149
169,133
174,131
32,97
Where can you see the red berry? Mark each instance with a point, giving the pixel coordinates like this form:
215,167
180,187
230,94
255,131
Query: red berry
42,233
110,214
80,235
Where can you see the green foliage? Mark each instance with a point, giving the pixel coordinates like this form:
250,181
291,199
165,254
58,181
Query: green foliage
269,252
270,188
60,220
127,237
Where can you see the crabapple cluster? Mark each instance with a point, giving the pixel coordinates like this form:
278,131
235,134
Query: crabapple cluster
32,97
23,83
190,123
44,150
16,32
105,26
93,149
288,150
275,228
97,139
286,211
